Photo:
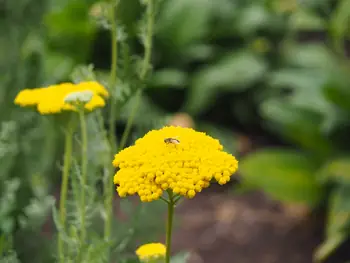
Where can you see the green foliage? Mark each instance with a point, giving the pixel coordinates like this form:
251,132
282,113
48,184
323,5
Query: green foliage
234,72
338,222
313,115
246,52
285,175
299,88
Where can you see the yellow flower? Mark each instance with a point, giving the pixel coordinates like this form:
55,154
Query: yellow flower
31,97
186,165
51,100
151,251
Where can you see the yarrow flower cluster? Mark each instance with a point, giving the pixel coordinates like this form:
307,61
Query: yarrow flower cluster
151,251
52,99
173,158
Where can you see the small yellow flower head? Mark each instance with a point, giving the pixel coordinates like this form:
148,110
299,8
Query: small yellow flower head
184,164
30,97
151,251
53,99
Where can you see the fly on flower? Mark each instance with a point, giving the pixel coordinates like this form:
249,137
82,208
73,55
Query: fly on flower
171,140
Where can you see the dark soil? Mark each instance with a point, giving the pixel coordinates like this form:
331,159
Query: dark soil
220,227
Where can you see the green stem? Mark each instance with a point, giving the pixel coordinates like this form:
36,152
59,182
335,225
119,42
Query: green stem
84,142
149,38
169,227
145,68
64,185
108,186
113,79
130,120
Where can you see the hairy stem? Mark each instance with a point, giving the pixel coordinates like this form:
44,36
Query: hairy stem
108,184
169,227
64,185
84,142
145,68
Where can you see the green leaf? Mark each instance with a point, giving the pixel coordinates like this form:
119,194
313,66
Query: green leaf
304,19
326,248
340,21
338,222
57,67
178,24
70,29
235,72
199,52
315,56
283,174
180,258
337,89
300,126
252,18
306,88
169,77
337,170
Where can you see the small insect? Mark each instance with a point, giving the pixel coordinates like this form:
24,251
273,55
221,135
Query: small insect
171,140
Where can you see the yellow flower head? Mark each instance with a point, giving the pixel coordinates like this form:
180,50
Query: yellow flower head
30,97
51,100
151,251
175,158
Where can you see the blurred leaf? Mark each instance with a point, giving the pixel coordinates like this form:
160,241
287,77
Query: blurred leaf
327,247
337,170
340,21
337,89
179,25
303,19
169,78
301,126
226,137
235,72
315,56
283,174
252,18
199,52
57,67
306,88
338,222
70,29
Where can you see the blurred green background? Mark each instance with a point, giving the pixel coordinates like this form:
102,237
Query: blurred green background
273,71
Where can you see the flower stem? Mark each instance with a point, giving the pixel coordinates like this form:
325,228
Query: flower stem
113,78
149,39
108,184
130,120
169,228
84,142
64,185
145,68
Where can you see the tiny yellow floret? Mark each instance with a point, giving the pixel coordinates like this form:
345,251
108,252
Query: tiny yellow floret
151,251
154,164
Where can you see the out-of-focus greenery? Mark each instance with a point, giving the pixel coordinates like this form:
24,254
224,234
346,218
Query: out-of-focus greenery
45,43
276,65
